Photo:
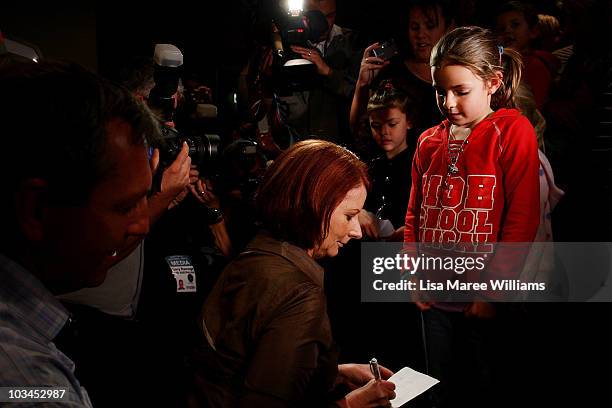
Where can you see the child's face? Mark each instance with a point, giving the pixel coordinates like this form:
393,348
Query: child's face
389,129
513,31
463,97
423,33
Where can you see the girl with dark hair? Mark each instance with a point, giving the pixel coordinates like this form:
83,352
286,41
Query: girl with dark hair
391,114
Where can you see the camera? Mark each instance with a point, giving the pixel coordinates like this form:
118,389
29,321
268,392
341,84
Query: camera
386,50
292,72
203,149
166,74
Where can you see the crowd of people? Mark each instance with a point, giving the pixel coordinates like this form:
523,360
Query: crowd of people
128,278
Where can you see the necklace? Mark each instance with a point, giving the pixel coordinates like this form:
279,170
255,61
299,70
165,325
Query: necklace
454,152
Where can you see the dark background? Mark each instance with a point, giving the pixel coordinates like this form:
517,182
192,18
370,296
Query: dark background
564,346
214,36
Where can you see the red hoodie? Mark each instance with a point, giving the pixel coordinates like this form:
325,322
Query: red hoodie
493,197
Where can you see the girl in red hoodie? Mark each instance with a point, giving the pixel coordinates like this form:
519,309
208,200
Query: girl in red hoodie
474,183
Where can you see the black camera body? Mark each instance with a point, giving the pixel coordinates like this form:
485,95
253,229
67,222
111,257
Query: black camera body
297,28
300,28
386,50
203,149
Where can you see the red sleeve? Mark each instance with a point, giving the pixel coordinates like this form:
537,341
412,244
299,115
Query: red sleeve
520,165
521,217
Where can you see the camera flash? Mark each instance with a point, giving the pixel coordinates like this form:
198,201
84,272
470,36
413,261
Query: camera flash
295,5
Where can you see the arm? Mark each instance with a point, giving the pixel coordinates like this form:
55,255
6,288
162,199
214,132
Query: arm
203,193
368,70
520,165
521,217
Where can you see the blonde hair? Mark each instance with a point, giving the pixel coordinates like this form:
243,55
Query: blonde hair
476,49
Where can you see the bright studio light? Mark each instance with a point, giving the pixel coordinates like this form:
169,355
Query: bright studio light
295,5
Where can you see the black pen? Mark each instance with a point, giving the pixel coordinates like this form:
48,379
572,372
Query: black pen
375,369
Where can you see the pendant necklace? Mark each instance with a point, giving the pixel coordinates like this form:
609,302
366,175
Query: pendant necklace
454,152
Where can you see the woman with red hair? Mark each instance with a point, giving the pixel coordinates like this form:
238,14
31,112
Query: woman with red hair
266,335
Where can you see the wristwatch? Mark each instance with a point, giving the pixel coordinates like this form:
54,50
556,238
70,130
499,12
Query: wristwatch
214,215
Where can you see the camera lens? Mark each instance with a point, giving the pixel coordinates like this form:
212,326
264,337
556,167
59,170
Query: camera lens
203,150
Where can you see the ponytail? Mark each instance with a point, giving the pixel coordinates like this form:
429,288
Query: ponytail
512,66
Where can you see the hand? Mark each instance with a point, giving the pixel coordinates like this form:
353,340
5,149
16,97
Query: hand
313,55
202,191
373,394
194,174
370,66
369,224
177,200
176,177
481,310
357,375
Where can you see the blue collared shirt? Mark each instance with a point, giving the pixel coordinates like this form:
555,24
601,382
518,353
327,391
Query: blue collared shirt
30,318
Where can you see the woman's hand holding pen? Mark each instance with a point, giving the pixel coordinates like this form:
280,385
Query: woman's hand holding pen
373,394
357,375
367,392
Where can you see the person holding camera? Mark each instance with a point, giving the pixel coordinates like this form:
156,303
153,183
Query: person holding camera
427,23
322,111
112,319
265,336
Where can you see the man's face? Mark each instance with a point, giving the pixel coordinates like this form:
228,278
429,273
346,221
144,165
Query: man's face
79,242
328,8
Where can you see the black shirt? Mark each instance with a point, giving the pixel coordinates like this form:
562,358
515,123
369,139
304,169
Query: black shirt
391,182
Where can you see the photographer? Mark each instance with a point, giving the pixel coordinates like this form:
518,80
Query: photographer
426,22
320,107
337,58
134,315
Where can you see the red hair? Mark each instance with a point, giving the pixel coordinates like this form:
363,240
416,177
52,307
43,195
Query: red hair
303,187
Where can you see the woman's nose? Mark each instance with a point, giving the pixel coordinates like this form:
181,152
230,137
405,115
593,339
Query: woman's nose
355,229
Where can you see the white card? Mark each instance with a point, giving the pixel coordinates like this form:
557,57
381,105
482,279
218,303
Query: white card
409,384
